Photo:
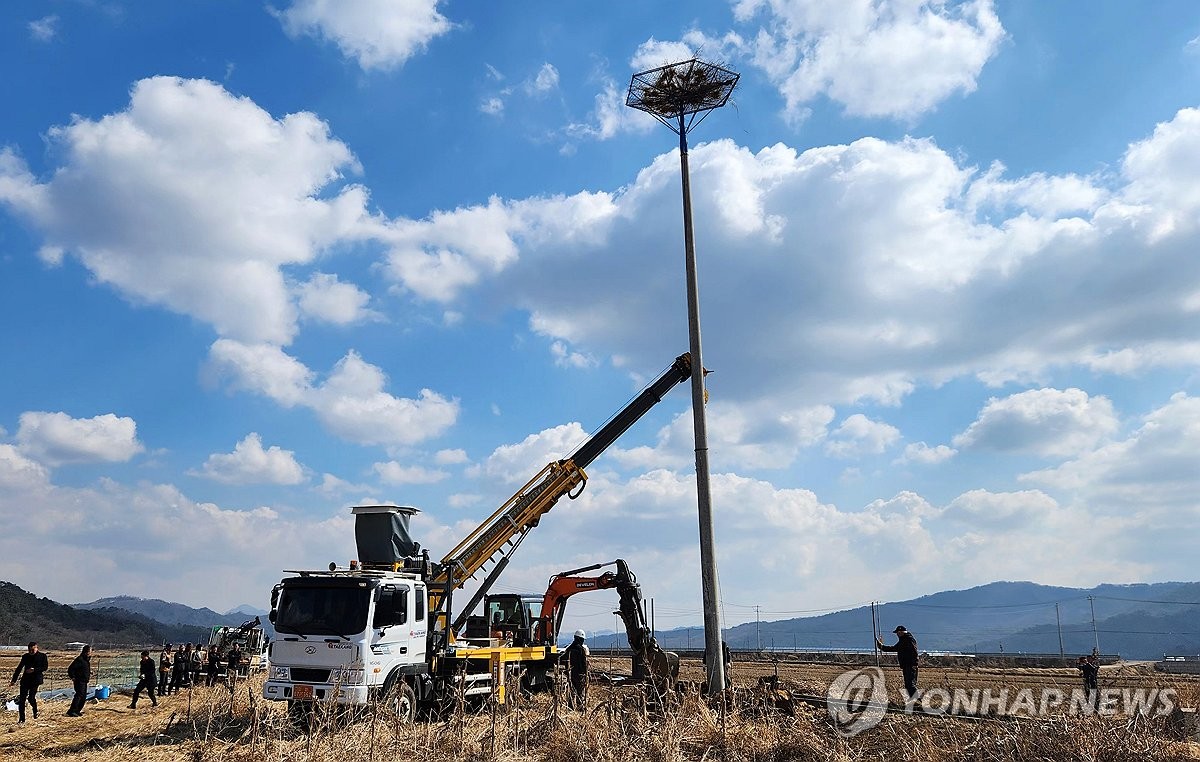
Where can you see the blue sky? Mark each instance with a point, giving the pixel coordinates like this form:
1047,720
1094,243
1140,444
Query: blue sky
262,262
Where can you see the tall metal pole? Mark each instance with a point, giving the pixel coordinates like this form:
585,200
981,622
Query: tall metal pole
1095,632
708,555
875,632
1058,618
757,627
680,95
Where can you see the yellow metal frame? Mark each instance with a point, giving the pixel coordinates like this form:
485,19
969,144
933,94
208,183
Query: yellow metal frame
518,514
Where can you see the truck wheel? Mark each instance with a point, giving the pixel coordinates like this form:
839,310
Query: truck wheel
401,702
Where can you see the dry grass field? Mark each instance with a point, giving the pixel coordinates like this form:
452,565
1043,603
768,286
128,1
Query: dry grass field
211,725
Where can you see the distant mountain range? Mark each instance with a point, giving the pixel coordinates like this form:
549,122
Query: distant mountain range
117,621
25,617
247,610
1143,621
167,612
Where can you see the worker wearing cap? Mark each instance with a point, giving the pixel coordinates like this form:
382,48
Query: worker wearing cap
906,654
576,658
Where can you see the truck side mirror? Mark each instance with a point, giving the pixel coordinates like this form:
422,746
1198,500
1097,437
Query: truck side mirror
272,615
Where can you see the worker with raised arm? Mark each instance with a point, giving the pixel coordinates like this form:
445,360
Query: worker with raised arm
906,654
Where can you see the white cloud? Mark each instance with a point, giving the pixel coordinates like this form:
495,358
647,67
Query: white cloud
350,402
1153,471
611,117
334,486
353,405
378,34
893,58
1161,172
264,369
653,53
450,457
192,192
446,254
45,28
392,472
325,298
249,463
243,549
57,438
565,358
739,435
492,105
855,255
980,508
545,81
517,463
859,435
762,531
923,454
19,473
1038,194
1047,422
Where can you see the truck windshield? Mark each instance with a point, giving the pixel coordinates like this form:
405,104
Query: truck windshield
322,610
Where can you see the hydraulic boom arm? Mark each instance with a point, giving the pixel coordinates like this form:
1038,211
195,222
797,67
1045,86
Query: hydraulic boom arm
663,666
504,530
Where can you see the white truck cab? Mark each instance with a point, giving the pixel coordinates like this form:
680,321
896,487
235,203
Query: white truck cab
348,635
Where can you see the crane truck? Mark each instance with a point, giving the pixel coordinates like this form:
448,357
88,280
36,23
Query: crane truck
383,629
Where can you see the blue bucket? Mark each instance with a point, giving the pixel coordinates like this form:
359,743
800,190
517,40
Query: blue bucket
101,691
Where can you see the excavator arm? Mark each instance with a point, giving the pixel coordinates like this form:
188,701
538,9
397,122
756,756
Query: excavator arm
501,533
661,666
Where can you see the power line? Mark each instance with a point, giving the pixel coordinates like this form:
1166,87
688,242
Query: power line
1143,600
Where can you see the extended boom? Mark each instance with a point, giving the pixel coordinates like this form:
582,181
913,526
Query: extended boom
504,530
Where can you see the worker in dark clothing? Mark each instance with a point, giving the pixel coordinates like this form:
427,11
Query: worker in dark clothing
234,663
179,667
726,661
146,670
80,673
214,665
906,654
1089,668
30,671
576,656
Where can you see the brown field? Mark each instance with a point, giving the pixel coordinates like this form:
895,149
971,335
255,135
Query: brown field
205,724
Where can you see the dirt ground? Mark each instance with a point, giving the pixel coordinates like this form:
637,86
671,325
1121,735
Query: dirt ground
210,723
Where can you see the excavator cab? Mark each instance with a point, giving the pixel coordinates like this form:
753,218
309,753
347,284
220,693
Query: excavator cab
512,616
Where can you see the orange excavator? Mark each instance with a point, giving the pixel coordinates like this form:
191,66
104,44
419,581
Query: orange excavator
650,662
533,621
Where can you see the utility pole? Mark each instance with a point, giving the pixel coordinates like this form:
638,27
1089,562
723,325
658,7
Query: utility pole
1058,618
757,628
875,632
1095,632
680,96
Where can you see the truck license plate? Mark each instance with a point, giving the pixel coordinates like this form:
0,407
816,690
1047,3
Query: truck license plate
302,692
